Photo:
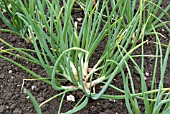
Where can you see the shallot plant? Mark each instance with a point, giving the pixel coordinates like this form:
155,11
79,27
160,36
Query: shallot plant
64,50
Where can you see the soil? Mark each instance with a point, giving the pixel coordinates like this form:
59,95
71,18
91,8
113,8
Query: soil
14,101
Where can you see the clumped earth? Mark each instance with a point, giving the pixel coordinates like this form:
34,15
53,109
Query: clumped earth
14,101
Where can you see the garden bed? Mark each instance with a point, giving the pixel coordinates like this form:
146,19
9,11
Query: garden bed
14,101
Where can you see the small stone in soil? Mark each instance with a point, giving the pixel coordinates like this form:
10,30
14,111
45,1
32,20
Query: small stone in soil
79,19
12,77
18,85
33,87
70,98
10,71
146,73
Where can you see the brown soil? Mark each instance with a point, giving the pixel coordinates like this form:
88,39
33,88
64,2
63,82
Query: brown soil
14,101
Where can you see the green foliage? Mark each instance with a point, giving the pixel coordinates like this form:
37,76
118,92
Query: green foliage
64,50
36,105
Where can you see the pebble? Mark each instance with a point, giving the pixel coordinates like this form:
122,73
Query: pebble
70,98
146,74
7,107
33,87
79,19
12,77
18,85
2,108
10,71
